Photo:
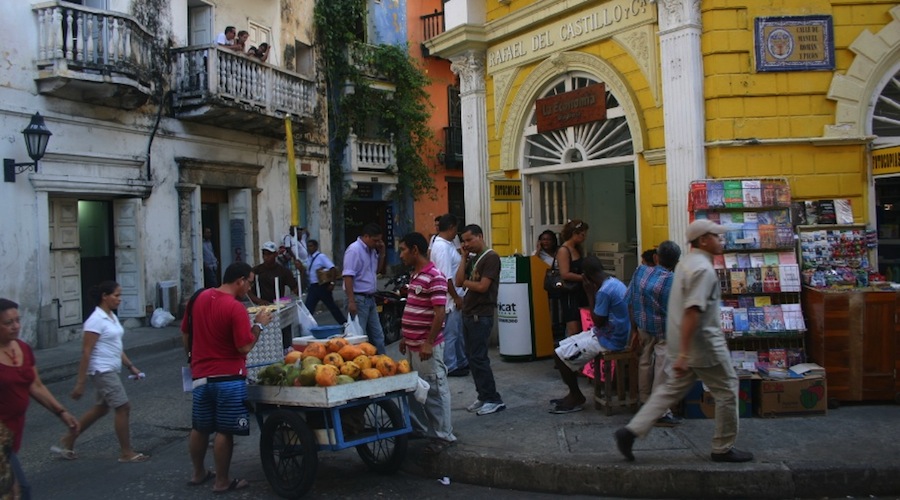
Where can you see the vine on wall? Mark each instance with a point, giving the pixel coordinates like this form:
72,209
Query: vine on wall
403,113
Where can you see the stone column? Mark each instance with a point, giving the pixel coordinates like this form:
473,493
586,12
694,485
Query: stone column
473,101
682,85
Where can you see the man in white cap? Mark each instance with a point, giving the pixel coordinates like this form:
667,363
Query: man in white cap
263,292
697,349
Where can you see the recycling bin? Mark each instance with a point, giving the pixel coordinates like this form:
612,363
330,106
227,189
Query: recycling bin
523,310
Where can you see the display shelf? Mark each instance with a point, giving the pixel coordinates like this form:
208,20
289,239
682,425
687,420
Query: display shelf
758,273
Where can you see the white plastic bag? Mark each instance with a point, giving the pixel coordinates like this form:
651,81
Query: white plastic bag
161,318
352,328
421,393
305,319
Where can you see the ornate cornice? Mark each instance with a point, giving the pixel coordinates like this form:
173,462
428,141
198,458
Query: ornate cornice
470,69
678,14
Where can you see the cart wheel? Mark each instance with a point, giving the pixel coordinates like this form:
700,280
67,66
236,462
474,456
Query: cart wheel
287,449
383,456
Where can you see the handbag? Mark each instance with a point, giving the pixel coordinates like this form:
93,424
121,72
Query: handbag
554,283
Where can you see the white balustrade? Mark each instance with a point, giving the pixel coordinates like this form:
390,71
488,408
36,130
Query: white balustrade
72,36
368,155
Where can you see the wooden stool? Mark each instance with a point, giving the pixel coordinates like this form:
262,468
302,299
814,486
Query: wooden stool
626,380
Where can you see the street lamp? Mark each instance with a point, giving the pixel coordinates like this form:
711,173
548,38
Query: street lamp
36,138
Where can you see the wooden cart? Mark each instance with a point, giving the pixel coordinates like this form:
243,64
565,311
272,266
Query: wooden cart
298,422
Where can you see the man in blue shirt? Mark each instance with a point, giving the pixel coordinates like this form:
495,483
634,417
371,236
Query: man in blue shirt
612,326
648,297
363,260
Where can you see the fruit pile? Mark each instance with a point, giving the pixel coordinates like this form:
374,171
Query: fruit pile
334,362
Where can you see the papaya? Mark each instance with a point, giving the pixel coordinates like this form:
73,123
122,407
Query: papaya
316,350
350,369
367,348
403,366
370,374
386,366
336,344
333,358
326,375
344,379
350,352
292,357
363,362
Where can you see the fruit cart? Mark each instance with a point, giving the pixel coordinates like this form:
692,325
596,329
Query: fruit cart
298,422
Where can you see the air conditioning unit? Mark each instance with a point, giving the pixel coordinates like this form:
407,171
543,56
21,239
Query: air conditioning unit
618,264
610,246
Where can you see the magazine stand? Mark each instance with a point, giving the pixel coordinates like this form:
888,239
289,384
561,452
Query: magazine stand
759,276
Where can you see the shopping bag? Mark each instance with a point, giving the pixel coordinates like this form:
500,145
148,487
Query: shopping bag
422,388
305,319
353,328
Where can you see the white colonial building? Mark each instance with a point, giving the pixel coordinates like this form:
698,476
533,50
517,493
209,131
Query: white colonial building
157,133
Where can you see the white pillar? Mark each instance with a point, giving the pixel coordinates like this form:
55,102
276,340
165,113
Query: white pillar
473,101
682,77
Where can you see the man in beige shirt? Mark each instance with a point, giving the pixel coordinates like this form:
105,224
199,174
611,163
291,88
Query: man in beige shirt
697,349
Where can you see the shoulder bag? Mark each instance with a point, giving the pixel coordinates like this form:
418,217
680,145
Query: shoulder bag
554,283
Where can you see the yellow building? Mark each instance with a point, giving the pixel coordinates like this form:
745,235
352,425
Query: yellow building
806,90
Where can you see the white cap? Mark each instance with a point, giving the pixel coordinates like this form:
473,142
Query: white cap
270,246
703,226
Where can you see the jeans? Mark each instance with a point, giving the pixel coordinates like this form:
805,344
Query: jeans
210,277
454,346
318,293
368,319
19,474
476,332
433,417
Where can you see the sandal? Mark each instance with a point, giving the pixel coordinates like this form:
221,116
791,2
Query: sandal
561,409
436,446
64,452
137,458
236,484
209,475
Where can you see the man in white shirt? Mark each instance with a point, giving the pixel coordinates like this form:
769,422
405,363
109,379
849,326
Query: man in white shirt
295,254
446,258
226,39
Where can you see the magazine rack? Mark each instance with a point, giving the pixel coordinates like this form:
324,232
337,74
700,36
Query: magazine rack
759,275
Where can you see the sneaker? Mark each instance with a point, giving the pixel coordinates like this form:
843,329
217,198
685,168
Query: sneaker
625,441
459,372
667,421
733,455
489,407
472,408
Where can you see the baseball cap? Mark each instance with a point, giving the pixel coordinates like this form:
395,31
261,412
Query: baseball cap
702,226
270,246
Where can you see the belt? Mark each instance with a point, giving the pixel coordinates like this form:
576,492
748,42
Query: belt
219,378
366,295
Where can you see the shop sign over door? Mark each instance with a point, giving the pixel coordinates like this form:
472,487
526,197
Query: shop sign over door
886,161
576,107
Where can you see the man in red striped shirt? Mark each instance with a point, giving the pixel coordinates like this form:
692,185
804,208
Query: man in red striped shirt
423,340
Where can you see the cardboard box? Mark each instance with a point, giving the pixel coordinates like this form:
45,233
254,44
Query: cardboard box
806,396
701,404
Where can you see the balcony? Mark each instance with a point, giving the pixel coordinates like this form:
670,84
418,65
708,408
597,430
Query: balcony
453,148
432,25
218,87
370,161
93,56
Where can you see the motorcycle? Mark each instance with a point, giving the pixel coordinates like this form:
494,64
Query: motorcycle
390,303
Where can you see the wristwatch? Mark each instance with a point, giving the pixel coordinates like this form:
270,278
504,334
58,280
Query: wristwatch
260,325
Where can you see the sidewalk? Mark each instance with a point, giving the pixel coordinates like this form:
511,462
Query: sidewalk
852,451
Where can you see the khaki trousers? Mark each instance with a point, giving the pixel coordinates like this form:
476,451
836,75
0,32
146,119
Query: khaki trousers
723,384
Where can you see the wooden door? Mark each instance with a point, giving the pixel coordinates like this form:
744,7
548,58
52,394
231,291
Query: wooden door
65,260
129,257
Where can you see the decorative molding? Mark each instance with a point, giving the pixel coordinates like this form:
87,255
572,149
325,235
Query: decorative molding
502,84
640,43
856,90
655,157
217,174
94,185
470,69
552,68
678,14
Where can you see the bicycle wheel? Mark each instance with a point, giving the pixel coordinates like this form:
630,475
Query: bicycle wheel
288,451
383,456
